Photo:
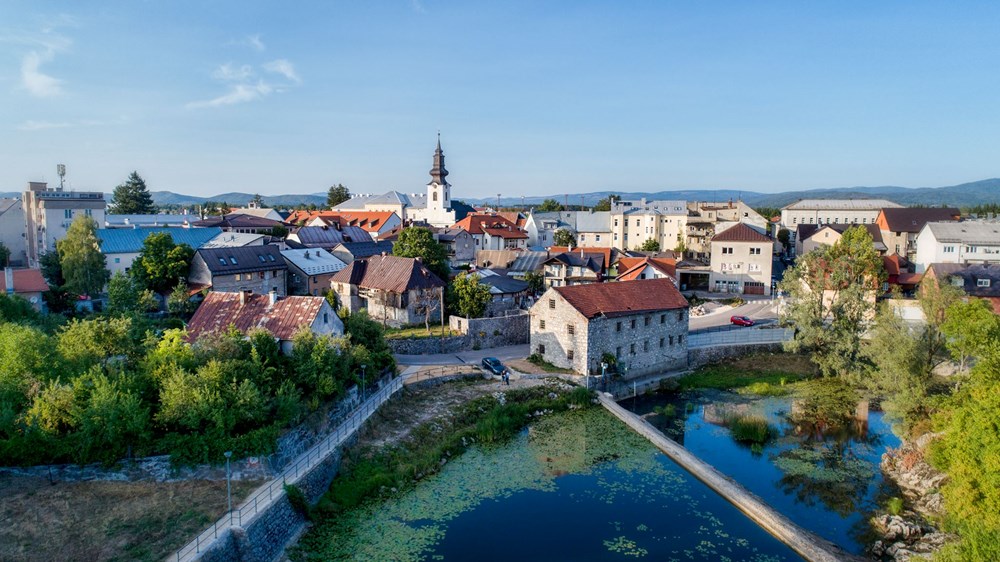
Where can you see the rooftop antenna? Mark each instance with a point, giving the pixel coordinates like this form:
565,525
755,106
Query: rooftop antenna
61,170
498,202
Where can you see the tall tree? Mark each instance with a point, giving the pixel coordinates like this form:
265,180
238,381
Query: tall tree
548,206
605,204
51,269
832,301
4,255
535,281
650,245
970,329
132,198
162,263
416,242
257,200
337,195
563,237
81,258
472,296
127,296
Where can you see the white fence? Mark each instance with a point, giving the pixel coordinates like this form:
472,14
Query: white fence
266,494
740,337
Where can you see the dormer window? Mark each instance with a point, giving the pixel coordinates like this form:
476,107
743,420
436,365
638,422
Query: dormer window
232,260
261,258
222,261
982,282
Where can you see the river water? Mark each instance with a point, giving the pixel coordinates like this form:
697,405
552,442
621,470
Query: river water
574,486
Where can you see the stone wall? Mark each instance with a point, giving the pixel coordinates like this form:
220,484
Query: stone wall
477,333
427,346
698,356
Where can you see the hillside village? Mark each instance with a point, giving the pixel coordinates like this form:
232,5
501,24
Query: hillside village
616,298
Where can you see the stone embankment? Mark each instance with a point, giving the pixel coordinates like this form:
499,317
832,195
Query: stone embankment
909,535
806,544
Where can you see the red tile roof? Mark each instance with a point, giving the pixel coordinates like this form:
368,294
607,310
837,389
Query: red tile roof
631,268
895,264
740,233
388,273
512,233
474,224
606,252
25,281
220,310
624,298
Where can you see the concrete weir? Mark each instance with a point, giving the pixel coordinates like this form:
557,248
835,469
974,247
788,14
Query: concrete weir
805,543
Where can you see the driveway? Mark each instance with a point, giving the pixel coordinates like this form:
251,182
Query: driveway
470,357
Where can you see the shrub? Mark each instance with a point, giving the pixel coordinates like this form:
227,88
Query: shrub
667,410
750,428
894,506
298,500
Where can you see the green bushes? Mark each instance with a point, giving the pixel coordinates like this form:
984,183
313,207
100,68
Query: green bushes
728,377
298,500
752,429
894,506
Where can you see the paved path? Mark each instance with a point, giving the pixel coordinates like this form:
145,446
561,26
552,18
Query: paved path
764,309
471,357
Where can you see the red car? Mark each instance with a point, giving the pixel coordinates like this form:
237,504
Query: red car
741,321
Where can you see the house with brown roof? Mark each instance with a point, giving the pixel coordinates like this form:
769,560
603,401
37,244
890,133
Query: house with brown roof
829,234
741,261
375,223
396,291
25,283
900,226
493,232
281,316
632,268
634,327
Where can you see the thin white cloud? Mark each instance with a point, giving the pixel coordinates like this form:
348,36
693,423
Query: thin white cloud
34,80
284,68
31,125
418,6
239,93
255,42
231,73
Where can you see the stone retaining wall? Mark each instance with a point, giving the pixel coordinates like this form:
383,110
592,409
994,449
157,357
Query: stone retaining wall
805,543
477,333
698,356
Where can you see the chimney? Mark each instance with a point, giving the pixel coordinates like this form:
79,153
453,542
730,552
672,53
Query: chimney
307,254
8,275
245,296
272,297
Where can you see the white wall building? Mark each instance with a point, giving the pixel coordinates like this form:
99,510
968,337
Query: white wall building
833,211
957,242
12,230
49,212
741,261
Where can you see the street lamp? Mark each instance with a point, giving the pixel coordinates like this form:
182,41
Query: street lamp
604,370
229,489
363,382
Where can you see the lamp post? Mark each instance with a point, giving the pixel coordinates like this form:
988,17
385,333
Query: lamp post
604,370
363,366
229,489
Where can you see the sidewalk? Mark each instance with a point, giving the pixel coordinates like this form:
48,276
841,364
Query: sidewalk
472,357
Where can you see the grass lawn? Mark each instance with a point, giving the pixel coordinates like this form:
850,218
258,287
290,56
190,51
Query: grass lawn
536,367
765,374
419,332
106,520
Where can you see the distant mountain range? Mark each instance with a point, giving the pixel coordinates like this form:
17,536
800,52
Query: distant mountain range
962,195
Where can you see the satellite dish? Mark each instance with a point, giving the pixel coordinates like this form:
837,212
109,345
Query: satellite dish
33,300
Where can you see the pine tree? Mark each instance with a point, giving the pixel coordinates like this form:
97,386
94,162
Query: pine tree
337,195
132,198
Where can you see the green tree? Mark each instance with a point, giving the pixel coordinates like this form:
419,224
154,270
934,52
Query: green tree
257,200
127,296
680,248
970,328
416,242
768,212
51,269
113,422
473,297
337,194
81,258
4,255
279,231
605,203
132,198
832,301
84,343
784,236
179,302
549,206
162,263
536,282
650,245
563,237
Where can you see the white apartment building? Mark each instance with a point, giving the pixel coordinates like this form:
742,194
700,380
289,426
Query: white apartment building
741,261
833,211
957,242
634,222
12,230
49,212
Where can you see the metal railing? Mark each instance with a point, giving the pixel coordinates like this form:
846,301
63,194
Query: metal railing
431,373
266,494
738,337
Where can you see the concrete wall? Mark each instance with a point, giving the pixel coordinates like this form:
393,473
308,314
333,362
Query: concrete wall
12,231
482,333
698,356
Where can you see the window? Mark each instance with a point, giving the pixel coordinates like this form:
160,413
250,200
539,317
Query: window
541,349
680,315
631,348
541,324
663,319
647,320
637,222
270,258
571,329
680,340
727,250
616,222
795,220
633,323
618,326
552,303
326,318
597,237
118,260
671,340
222,261
754,251
262,259
569,355
89,212
754,267
949,249
645,345
435,195
232,260
661,342
238,277
982,282
971,249
68,214
261,274
618,352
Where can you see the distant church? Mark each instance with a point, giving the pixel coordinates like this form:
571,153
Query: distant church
432,207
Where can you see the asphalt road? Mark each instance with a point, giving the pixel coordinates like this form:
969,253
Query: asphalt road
472,357
761,311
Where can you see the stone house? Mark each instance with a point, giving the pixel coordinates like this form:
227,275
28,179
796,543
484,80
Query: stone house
259,269
396,291
310,270
281,316
642,324
741,261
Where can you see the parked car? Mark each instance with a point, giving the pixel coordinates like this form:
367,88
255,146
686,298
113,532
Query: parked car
493,365
741,321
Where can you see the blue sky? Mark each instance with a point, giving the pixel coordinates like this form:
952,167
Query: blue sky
530,97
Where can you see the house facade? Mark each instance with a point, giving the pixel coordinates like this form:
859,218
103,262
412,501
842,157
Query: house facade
12,233
741,261
900,226
396,291
257,269
635,222
642,324
493,232
283,317
969,242
833,211
828,235
49,212
310,270
25,283
978,280
121,246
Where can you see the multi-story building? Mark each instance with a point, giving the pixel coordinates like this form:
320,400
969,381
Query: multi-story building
493,232
49,212
828,235
957,242
640,326
590,228
259,269
900,226
833,211
12,231
635,222
741,261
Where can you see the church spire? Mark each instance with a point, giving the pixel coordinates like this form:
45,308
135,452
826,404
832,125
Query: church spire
438,172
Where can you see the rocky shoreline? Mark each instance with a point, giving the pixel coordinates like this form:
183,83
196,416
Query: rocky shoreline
910,534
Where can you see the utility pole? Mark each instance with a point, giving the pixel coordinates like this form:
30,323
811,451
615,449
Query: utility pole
498,202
